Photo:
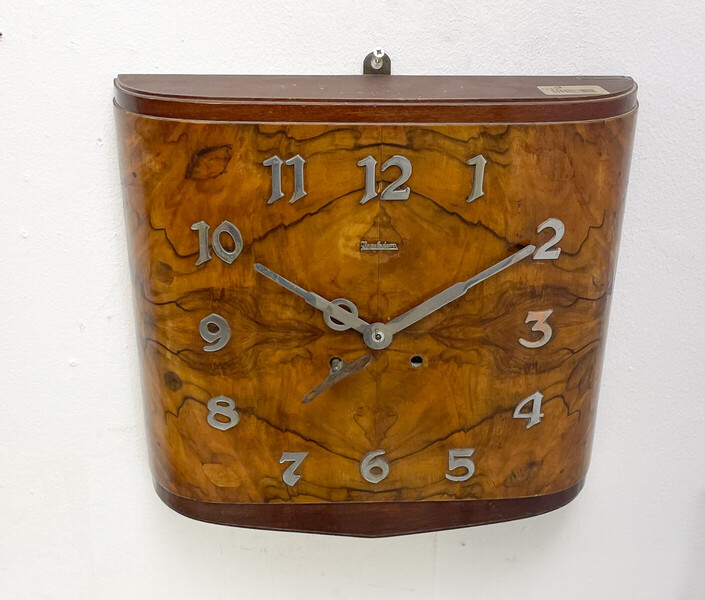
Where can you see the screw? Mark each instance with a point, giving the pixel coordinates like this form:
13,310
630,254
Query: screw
377,336
377,60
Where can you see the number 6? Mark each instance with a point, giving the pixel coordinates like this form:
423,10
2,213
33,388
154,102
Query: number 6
460,458
374,460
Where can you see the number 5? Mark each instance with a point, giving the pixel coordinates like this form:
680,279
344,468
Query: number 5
460,458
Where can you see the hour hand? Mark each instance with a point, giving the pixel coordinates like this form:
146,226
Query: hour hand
336,318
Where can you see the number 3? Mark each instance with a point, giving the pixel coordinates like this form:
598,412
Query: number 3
541,325
460,458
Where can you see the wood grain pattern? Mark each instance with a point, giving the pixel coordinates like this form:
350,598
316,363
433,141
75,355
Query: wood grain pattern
176,173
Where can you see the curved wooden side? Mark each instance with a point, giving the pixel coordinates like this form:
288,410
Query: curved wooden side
368,519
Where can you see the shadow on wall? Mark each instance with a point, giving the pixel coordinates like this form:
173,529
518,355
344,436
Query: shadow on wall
693,585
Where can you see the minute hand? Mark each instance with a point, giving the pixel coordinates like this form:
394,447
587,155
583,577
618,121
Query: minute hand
454,292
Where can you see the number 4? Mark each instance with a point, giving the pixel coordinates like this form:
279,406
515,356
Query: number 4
533,417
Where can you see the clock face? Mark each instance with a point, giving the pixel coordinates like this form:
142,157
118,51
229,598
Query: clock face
371,313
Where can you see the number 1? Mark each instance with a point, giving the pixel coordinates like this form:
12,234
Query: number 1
479,163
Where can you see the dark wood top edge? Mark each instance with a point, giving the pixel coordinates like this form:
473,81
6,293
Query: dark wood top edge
420,109
356,88
368,519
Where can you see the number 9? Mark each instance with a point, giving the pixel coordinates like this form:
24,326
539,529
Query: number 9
215,330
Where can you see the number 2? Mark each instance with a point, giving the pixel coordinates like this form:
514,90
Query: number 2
546,252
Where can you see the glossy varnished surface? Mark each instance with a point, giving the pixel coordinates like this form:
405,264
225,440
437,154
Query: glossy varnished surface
475,371
366,519
375,99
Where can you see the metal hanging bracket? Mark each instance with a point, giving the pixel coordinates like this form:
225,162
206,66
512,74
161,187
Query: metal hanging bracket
377,63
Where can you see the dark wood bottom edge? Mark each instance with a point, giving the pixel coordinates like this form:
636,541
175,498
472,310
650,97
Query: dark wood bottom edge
368,519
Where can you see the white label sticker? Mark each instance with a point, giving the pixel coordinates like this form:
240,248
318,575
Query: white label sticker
572,90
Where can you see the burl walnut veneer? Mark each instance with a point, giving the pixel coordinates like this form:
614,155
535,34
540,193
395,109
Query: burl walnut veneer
192,150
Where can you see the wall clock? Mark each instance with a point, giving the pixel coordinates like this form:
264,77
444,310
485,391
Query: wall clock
372,305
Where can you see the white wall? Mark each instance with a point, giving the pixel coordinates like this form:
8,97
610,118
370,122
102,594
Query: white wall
78,517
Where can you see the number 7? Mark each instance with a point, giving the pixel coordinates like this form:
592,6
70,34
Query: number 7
296,458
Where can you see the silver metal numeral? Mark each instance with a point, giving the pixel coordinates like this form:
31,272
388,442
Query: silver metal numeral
215,330
545,252
541,326
276,163
224,407
392,191
204,253
226,227
370,165
533,417
227,256
298,164
290,477
479,163
374,460
460,458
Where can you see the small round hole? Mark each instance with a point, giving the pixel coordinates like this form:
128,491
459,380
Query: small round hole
335,360
416,361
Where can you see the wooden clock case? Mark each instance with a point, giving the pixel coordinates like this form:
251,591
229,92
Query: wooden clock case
189,139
